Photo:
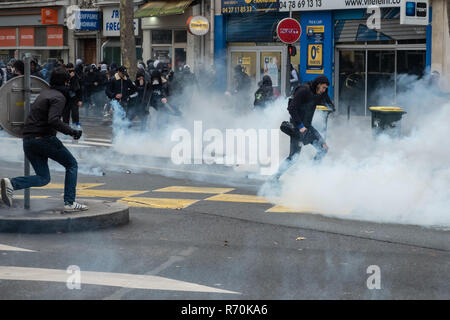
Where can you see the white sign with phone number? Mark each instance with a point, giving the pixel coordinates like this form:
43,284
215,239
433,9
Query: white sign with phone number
312,5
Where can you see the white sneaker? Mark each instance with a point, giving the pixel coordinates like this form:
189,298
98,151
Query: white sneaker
7,192
75,207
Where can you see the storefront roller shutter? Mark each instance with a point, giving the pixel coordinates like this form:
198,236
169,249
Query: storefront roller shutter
391,29
253,27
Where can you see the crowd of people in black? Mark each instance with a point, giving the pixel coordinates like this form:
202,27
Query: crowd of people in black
94,86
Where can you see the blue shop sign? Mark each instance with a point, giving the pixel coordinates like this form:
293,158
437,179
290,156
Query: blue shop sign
87,20
249,6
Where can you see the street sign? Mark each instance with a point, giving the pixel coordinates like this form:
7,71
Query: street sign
289,30
12,103
415,12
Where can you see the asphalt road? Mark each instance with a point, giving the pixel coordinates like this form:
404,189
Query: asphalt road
216,249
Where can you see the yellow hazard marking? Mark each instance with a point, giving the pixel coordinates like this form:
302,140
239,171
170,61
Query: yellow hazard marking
80,186
187,189
160,203
284,209
109,193
237,198
32,197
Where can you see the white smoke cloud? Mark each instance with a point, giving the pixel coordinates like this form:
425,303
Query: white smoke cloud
404,180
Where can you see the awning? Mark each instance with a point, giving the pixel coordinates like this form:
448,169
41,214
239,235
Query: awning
162,8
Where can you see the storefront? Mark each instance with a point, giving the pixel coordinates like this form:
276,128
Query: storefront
165,37
110,49
251,42
336,41
39,31
87,34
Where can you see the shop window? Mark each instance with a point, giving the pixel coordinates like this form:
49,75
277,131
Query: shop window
161,36
180,36
40,35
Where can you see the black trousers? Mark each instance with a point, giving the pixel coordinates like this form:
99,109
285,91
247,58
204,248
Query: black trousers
311,136
71,109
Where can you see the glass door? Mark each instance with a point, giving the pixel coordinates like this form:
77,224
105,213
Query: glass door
270,64
352,82
380,78
257,62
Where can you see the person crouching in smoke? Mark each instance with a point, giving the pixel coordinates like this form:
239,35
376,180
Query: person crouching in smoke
40,143
301,107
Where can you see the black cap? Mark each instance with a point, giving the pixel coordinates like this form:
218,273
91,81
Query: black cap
123,70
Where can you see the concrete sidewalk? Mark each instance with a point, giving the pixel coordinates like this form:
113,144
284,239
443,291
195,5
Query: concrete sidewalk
47,216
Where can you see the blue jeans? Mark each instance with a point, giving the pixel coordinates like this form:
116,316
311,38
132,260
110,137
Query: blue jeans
38,151
311,136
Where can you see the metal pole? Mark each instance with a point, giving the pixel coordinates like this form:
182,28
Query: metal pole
288,65
27,88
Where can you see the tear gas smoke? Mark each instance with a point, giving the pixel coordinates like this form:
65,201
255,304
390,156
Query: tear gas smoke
405,180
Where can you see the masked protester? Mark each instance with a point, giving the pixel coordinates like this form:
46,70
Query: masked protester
158,98
265,93
40,143
120,87
137,106
75,99
301,107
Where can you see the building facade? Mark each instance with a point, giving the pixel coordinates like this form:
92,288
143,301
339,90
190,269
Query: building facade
357,59
37,27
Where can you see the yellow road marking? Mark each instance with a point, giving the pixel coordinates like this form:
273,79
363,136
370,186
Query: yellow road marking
32,197
80,186
285,209
108,193
188,189
161,203
237,198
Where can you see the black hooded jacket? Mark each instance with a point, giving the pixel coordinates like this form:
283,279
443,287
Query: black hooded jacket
118,85
158,91
264,94
304,101
45,114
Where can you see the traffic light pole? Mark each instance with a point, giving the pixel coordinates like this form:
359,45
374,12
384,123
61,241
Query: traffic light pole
288,66
27,89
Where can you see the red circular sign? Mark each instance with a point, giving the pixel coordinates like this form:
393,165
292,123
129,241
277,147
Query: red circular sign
289,30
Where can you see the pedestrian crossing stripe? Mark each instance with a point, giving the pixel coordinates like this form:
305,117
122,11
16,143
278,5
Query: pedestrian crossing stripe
188,189
237,198
109,193
158,203
80,186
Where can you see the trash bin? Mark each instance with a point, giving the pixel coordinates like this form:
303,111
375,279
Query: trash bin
387,120
324,125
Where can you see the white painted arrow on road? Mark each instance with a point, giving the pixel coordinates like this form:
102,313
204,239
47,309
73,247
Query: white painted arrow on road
4,247
123,280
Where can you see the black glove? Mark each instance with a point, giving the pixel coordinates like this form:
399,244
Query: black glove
77,134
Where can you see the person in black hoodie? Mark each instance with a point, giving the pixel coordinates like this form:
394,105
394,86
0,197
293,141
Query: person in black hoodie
265,93
91,81
158,97
75,98
138,105
120,86
301,107
40,143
